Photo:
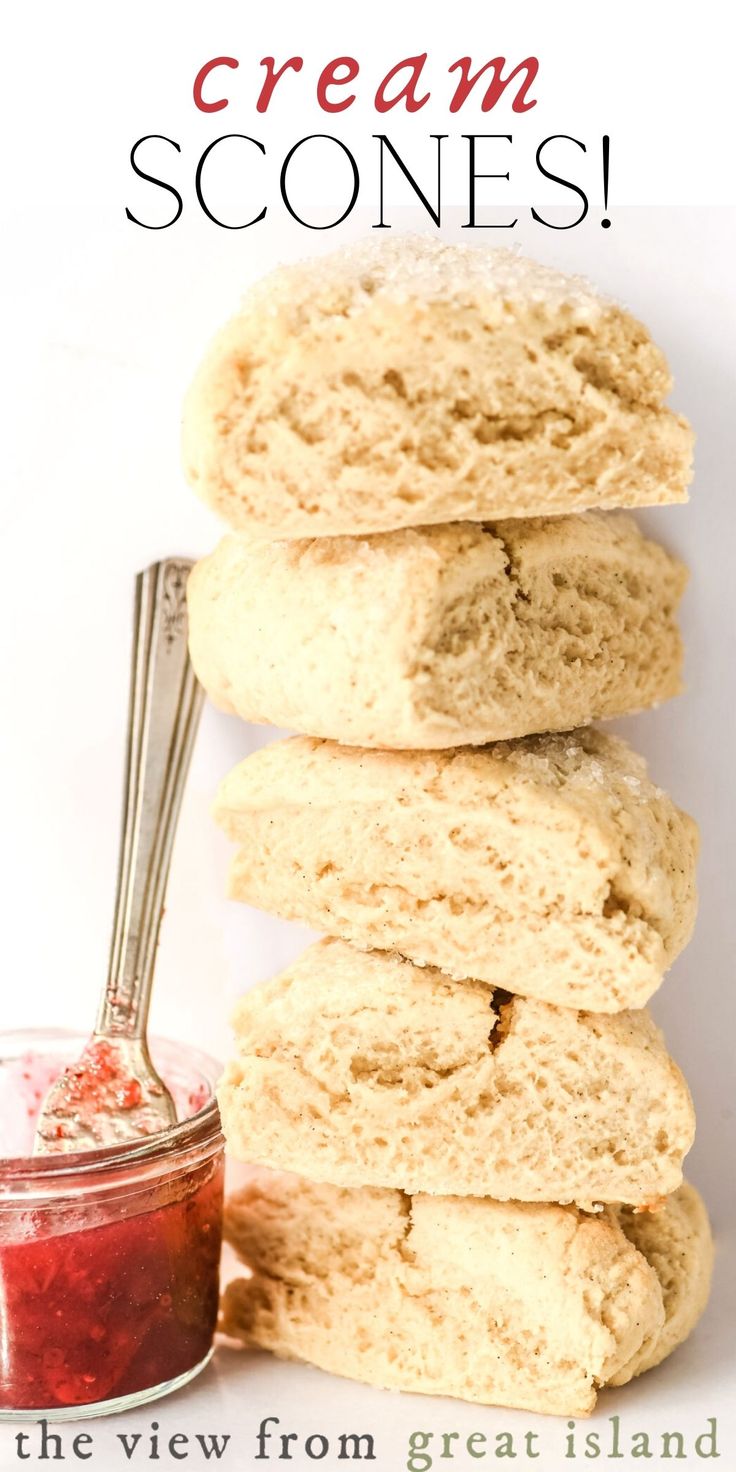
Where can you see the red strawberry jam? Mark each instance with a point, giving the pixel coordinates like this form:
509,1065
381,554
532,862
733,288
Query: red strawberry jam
109,1266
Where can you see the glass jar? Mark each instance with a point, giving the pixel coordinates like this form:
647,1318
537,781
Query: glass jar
109,1259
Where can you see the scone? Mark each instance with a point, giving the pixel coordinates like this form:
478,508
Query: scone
410,382
534,1307
358,1068
677,1243
550,866
441,636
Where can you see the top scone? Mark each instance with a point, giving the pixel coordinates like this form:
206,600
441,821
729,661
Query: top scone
410,382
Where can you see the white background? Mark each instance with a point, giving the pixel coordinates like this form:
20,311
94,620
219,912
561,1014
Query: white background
102,326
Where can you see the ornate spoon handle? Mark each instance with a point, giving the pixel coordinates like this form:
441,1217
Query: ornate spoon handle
165,704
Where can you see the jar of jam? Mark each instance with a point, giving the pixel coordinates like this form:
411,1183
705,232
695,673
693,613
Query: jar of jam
109,1259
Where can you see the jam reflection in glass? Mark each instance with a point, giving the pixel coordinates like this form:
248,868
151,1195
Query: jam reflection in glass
109,1268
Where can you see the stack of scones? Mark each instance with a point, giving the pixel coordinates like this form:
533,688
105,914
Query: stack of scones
467,1130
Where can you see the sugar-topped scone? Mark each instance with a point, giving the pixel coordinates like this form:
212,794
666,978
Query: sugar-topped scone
407,381
359,1068
535,1307
445,636
550,866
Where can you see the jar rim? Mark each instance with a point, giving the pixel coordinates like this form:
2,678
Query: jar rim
198,1129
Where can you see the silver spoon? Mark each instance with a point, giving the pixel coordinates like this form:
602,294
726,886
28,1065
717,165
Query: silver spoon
114,1093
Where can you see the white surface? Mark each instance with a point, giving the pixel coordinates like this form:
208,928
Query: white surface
102,325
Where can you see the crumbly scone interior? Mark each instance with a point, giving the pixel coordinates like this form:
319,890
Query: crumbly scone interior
677,1243
363,1069
543,618
435,637
549,865
564,397
541,1304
